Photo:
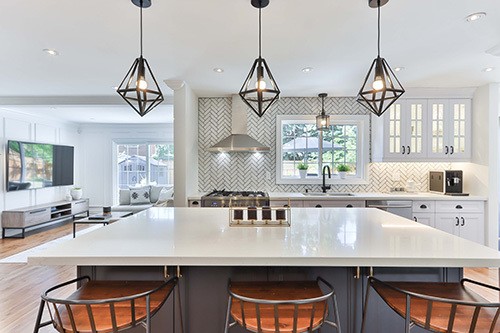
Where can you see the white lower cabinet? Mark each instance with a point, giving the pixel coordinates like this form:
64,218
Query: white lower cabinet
467,225
464,219
425,218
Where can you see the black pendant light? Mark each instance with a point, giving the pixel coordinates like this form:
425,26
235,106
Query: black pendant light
322,120
260,91
381,87
139,87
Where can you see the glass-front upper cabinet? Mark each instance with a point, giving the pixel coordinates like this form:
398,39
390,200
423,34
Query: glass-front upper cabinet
450,125
405,125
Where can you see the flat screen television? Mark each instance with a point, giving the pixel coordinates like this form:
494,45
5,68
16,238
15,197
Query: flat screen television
34,165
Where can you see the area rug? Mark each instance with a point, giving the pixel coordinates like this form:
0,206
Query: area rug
22,257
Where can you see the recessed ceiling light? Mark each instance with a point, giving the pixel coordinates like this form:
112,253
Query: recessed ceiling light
51,52
475,16
218,70
115,88
307,69
488,69
399,69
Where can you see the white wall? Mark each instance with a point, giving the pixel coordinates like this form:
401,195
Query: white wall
17,126
482,175
98,175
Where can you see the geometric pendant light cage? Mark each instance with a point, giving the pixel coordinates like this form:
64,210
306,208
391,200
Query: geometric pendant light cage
139,87
260,90
381,87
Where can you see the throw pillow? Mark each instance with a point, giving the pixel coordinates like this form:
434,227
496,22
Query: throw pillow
124,197
139,196
155,192
165,195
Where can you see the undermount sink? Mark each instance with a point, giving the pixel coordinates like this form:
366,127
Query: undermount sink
328,194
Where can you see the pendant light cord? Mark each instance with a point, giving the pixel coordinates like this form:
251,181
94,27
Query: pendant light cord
141,27
260,30
378,38
322,105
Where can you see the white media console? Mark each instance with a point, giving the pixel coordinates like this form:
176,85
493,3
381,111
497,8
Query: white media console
26,217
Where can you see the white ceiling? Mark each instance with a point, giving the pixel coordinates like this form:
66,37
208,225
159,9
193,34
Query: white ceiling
98,41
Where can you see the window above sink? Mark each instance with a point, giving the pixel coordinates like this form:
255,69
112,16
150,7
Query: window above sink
298,141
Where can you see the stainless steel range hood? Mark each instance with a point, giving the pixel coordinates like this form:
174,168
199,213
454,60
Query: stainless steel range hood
239,140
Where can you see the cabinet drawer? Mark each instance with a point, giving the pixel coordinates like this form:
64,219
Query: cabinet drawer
424,206
334,203
284,203
79,206
36,216
459,207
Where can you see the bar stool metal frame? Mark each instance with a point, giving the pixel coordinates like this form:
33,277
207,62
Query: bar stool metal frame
277,303
67,303
431,299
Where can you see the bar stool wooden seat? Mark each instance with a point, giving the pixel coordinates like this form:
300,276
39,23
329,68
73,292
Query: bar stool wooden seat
438,307
281,307
105,306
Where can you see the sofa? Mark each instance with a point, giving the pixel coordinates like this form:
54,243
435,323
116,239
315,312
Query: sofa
136,199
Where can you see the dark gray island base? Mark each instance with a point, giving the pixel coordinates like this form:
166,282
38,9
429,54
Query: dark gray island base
204,293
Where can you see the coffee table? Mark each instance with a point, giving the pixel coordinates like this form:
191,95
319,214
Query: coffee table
103,219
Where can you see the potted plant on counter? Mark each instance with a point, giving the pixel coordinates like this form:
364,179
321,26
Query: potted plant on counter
343,169
302,170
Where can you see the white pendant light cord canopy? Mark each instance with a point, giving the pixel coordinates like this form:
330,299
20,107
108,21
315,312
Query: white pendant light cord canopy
322,120
381,87
260,91
139,87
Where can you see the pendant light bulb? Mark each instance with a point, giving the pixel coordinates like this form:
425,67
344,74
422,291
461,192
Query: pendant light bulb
260,84
142,84
378,83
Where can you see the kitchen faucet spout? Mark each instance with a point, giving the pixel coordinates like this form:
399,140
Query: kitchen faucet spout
324,187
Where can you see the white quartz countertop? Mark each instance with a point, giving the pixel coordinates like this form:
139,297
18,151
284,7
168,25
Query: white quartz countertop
364,196
317,237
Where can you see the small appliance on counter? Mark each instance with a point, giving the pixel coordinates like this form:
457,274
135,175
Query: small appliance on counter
449,182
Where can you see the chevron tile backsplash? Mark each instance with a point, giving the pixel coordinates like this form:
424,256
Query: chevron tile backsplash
241,171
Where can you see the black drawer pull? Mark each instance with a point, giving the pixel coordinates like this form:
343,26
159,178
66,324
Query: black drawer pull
349,206
403,149
458,222
37,211
463,222
423,207
451,150
286,206
459,207
195,203
318,206
409,151
446,150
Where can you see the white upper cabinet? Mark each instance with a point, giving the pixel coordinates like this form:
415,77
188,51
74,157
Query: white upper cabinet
405,125
423,130
450,124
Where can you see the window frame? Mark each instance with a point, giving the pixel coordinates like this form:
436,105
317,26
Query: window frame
361,121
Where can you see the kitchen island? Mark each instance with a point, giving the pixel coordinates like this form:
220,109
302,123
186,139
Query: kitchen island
330,242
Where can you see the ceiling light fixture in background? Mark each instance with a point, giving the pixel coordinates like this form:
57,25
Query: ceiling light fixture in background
139,87
51,52
399,69
260,91
307,69
379,94
475,16
488,69
322,120
218,70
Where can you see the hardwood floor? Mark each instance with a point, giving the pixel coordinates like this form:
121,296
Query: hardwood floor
21,285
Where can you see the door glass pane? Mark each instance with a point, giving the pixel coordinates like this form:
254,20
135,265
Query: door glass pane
131,165
161,164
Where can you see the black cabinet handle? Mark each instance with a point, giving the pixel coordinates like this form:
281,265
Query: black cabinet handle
451,150
459,207
415,218
463,222
423,207
458,222
195,203
286,206
409,151
404,150
349,206
446,150
318,206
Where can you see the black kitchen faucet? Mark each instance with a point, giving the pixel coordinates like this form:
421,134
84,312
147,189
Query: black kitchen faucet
324,187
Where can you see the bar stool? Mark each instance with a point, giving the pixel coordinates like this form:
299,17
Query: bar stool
280,307
437,306
105,306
